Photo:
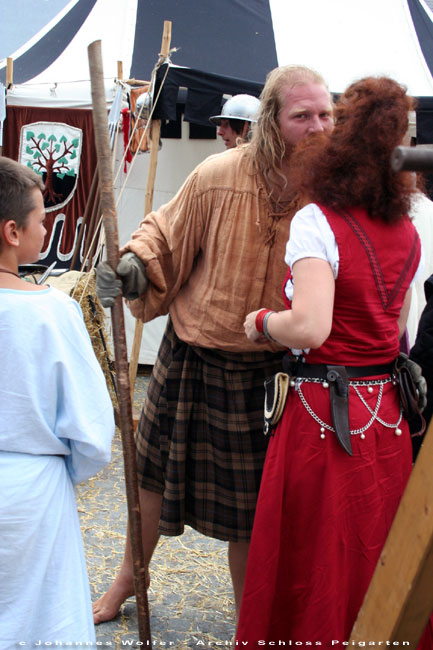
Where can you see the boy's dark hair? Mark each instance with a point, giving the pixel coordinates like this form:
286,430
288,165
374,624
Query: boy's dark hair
16,184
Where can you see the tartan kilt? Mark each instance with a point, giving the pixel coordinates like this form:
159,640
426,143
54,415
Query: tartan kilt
200,440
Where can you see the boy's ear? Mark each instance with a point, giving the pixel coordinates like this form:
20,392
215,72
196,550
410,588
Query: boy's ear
9,233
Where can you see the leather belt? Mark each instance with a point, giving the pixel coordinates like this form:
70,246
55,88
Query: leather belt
320,370
338,380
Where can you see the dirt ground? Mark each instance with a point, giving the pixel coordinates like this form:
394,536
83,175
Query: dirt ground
190,596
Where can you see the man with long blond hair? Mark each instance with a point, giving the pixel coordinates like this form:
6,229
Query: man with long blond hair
209,256
273,141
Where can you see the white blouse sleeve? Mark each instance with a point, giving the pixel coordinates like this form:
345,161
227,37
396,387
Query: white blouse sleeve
311,236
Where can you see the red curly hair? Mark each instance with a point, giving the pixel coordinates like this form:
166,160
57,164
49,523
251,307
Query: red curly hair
351,166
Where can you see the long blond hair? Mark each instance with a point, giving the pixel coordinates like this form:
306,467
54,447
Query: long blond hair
267,146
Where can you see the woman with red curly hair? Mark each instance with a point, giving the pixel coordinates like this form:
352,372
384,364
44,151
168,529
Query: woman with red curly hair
339,459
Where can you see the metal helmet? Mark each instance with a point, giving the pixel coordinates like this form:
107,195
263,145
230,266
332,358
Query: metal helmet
238,107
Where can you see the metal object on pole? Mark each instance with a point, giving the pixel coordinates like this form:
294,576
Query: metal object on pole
415,159
102,142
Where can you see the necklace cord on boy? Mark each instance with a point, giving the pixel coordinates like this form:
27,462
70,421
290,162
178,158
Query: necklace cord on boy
7,271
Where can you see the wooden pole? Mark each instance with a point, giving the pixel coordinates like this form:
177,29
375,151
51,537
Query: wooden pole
120,70
399,600
148,201
9,81
102,142
9,72
92,240
89,203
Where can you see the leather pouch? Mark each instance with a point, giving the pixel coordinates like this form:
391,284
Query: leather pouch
409,401
276,388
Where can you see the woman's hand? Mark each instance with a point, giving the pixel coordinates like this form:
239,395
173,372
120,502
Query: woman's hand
250,328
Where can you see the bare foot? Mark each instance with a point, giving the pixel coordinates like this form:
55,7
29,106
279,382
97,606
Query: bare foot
107,607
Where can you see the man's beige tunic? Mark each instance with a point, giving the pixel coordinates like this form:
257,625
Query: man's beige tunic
213,254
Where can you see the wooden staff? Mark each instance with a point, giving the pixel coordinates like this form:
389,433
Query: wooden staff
100,121
150,184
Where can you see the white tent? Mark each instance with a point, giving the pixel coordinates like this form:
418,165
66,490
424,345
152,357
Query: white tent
347,39
343,39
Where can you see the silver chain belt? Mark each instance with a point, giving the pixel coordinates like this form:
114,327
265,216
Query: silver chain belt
374,413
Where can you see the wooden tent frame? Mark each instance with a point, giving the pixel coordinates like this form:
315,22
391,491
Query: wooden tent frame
148,202
399,600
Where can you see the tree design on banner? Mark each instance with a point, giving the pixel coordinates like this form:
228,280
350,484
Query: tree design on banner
53,150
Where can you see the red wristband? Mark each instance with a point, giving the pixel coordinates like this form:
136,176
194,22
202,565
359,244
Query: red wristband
259,319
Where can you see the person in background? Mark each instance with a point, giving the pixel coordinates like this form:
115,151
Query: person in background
238,114
210,254
421,213
56,427
422,353
339,459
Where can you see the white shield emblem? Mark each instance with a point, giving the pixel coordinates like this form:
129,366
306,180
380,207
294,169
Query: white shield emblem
53,150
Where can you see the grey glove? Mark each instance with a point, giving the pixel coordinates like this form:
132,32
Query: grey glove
108,285
129,279
416,374
133,276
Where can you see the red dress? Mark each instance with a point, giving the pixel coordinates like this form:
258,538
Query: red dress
322,516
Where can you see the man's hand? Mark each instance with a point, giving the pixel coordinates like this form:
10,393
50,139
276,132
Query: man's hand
133,276
416,374
108,285
129,279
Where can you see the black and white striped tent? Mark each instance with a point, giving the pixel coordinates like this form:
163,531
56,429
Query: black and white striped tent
238,40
